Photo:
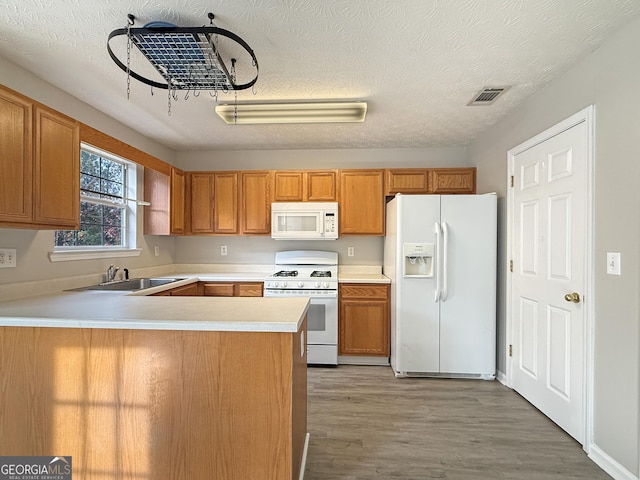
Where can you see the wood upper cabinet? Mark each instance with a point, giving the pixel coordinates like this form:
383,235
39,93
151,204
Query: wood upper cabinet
165,193
16,158
453,180
39,165
430,180
256,203
304,186
363,320
362,202
406,180
212,203
56,170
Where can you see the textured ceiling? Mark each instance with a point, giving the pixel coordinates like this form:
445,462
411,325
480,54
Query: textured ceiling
416,62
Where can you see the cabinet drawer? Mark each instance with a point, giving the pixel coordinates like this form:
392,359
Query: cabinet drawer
249,290
363,291
218,289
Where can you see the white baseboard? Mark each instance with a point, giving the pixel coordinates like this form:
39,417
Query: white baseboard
303,464
502,378
609,465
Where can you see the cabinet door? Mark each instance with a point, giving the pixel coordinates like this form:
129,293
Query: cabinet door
225,198
219,289
249,289
364,320
201,202
16,158
176,209
256,203
57,170
190,290
321,186
407,180
362,202
288,186
156,192
453,180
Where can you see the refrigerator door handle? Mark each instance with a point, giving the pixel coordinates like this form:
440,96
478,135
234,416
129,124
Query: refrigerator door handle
438,235
445,260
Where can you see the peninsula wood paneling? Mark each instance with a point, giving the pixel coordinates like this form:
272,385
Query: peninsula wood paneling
176,405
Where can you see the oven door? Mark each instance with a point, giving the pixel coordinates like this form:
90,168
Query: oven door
322,320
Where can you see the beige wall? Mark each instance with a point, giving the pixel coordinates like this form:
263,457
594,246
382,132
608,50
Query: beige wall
609,79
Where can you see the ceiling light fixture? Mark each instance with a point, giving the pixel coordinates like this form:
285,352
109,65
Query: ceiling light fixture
329,112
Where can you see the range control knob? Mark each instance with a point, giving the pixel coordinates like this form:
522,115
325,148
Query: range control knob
326,285
276,284
284,284
301,284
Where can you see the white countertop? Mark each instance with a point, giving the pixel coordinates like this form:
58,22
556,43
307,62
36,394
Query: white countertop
102,309
139,310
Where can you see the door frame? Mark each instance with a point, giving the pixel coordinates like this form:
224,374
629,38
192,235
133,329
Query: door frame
586,115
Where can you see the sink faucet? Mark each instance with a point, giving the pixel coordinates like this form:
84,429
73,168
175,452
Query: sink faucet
111,273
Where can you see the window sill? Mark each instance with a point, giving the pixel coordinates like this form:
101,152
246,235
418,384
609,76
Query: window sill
70,255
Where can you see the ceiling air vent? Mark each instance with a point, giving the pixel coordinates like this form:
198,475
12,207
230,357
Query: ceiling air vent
487,96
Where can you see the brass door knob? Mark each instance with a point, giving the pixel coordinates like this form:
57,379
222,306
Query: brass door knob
572,297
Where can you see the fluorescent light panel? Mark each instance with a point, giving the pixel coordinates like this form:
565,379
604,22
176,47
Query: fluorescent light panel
336,112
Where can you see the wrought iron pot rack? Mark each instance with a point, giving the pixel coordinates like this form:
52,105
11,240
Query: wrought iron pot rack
186,57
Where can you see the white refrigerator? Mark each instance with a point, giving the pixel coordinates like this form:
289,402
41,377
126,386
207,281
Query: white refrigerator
440,254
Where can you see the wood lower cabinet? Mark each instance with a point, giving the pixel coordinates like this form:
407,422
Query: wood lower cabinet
232,289
304,186
362,202
39,165
256,202
363,320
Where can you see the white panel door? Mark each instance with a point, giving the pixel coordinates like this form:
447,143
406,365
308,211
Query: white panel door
468,307
549,248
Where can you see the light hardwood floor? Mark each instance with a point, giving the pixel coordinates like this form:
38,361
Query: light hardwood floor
366,424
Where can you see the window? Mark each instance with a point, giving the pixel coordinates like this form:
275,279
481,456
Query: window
107,221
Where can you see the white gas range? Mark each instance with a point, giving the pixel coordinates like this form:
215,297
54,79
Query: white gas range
313,274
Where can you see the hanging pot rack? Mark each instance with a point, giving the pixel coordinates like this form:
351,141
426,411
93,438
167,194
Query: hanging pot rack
186,57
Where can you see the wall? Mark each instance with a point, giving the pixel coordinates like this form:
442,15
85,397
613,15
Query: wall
609,79
33,246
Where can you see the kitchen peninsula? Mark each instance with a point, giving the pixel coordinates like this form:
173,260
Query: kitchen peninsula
156,387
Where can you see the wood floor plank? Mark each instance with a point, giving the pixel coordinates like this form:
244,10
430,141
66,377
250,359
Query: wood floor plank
366,424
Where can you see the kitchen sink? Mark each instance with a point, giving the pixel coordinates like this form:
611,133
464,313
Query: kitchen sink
131,284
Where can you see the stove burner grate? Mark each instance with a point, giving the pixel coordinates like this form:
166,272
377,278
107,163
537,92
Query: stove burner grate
321,273
286,273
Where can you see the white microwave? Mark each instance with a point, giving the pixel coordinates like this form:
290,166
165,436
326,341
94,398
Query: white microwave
304,220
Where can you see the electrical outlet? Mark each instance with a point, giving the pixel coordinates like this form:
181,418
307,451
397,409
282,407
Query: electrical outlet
7,257
223,250
351,251
613,263
156,251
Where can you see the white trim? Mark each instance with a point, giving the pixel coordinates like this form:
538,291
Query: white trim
609,465
303,464
586,115
71,255
502,378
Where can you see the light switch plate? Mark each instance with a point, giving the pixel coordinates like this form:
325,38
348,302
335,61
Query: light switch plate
613,263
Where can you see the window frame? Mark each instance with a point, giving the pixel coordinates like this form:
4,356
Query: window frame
129,221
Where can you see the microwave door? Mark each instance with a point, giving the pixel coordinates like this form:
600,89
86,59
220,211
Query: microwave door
298,225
